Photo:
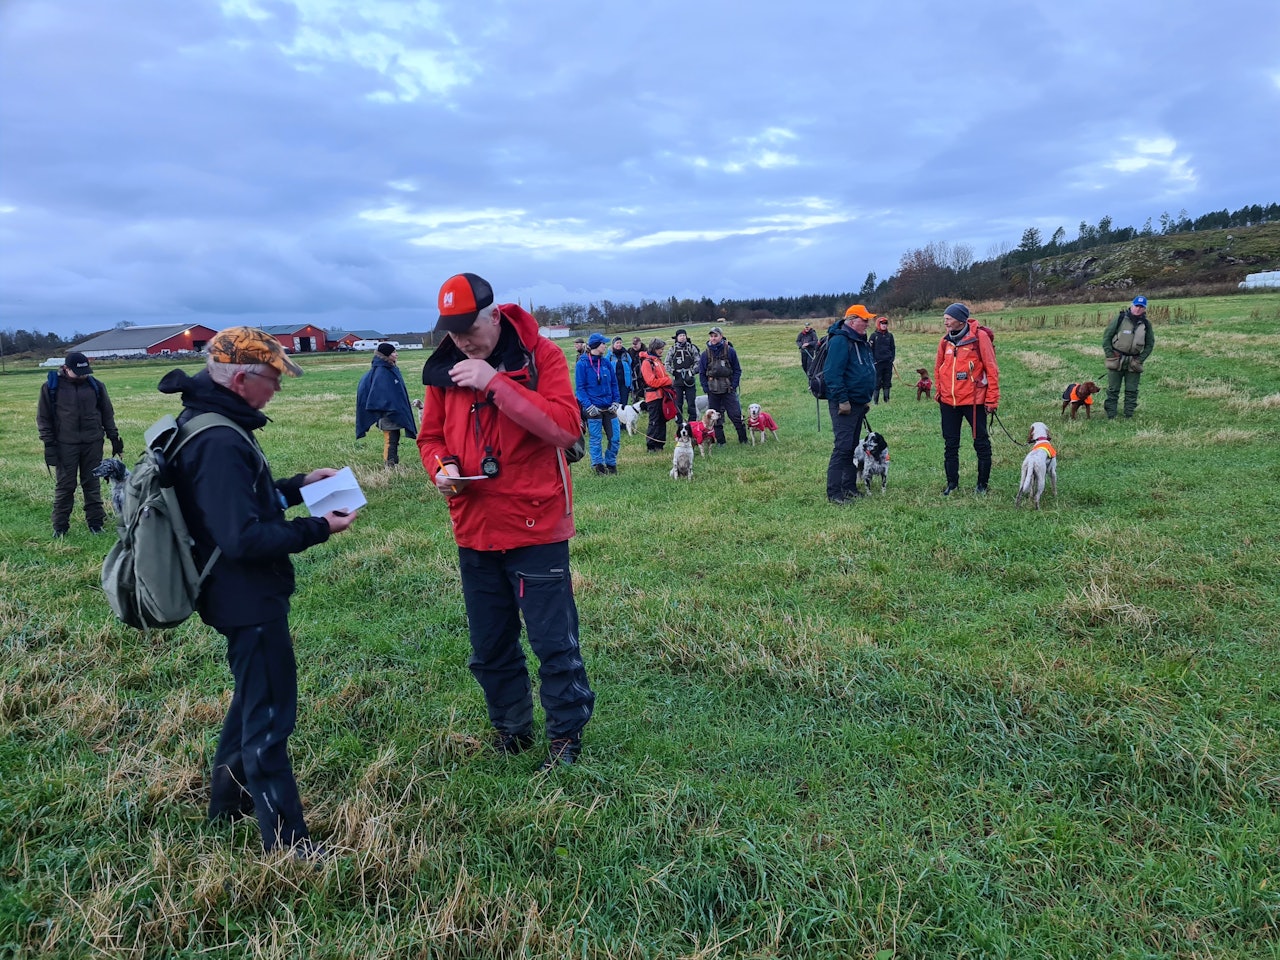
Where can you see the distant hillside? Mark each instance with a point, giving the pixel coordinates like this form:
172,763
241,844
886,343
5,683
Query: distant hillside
1160,261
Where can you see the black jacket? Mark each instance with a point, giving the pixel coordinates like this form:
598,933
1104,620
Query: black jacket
230,500
75,411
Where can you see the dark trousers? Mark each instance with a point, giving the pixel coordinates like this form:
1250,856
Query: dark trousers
884,379
976,418
806,358
75,467
656,434
842,475
687,402
391,447
251,769
501,586
728,405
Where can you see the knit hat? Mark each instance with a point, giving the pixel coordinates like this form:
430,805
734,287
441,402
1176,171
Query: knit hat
957,311
251,345
858,310
77,363
595,340
386,349
461,299
1140,301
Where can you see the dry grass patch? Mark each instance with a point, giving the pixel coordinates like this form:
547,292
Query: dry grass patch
1100,604
1038,362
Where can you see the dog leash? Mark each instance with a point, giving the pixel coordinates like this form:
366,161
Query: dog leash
1017,443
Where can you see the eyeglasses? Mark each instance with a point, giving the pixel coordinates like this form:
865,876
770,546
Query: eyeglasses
277,381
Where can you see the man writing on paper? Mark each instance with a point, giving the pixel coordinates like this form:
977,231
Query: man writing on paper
230,500
499,405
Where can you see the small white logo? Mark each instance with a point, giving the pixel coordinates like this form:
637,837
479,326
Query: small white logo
448,299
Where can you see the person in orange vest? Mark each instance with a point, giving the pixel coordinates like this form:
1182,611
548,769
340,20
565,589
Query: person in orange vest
968,384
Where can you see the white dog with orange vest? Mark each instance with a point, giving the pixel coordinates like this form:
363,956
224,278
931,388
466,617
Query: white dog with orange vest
1040,463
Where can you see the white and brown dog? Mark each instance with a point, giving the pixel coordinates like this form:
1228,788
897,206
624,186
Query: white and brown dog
1040,463
871,456
682,455
760,424
703,431
628,415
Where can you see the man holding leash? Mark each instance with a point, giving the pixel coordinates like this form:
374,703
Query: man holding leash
498,413
806,343
231,502
720,373
1127,343
968,384
597,388
73,415
850,374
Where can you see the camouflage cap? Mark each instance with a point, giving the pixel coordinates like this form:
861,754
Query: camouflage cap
251,345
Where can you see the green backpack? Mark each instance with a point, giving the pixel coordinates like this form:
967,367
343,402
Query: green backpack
150,576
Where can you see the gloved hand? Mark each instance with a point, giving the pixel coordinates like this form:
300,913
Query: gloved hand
117,447
593,412
615,407
991,407
845,408
1135,365
50,454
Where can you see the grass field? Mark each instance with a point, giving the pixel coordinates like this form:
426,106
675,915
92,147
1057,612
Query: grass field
911,727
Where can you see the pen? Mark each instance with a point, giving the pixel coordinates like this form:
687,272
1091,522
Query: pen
453,486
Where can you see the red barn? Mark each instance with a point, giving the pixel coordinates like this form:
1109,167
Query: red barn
304,339
148,341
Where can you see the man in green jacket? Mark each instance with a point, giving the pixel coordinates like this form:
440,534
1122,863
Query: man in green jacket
73,415
1127,343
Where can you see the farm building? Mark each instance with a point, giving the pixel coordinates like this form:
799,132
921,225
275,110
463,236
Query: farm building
304,339
147,341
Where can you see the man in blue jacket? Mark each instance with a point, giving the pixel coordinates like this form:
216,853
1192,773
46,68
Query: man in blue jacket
382,398
230,501
850,374
596,386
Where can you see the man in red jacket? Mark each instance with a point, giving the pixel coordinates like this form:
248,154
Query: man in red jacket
498,412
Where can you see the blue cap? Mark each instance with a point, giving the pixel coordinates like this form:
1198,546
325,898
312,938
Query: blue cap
1140,302
595,340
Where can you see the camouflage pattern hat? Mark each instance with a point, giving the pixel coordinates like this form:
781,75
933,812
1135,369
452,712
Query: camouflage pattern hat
251,345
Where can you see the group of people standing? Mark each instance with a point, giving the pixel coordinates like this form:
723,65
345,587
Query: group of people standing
966,376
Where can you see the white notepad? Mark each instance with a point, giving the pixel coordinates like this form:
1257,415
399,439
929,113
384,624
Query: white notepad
339,492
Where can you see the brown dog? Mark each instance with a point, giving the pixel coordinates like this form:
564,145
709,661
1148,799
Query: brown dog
924,386
1079,395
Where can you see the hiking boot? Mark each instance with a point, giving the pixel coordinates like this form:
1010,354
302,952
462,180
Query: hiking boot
509,744
59,532
95,529
838,501
950,489
611,467
980,488
308,851
599,468
563,753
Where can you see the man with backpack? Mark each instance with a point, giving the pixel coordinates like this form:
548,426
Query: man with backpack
682,364
720,373
73,416
806,343
849,375
232,504
968,384
1126,344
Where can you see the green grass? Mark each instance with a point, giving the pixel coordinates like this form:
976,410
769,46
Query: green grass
907,728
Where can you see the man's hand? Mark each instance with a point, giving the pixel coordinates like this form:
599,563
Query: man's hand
593,412
475,374
845,408
615,407
992,407
318,474
117,447
51,454
339,520
447,481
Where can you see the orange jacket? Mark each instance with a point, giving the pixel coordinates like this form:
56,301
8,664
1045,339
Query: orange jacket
655,375
965,373
531,500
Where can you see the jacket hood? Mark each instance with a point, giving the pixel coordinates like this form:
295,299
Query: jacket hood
512,352
201,394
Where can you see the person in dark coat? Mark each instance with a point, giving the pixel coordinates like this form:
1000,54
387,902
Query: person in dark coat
807,344
230,501
73,415
719,372
884,351
850,374
383,399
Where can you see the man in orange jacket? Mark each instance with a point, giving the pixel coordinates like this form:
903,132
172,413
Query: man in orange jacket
498,413
968,384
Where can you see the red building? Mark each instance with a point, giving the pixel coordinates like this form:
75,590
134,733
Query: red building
148,341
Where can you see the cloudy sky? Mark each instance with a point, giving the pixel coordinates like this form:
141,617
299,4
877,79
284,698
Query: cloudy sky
230,161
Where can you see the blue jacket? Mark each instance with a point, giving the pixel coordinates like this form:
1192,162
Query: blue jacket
850,370
595,382
382,393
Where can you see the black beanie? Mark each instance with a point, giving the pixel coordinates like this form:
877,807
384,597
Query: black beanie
386,349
